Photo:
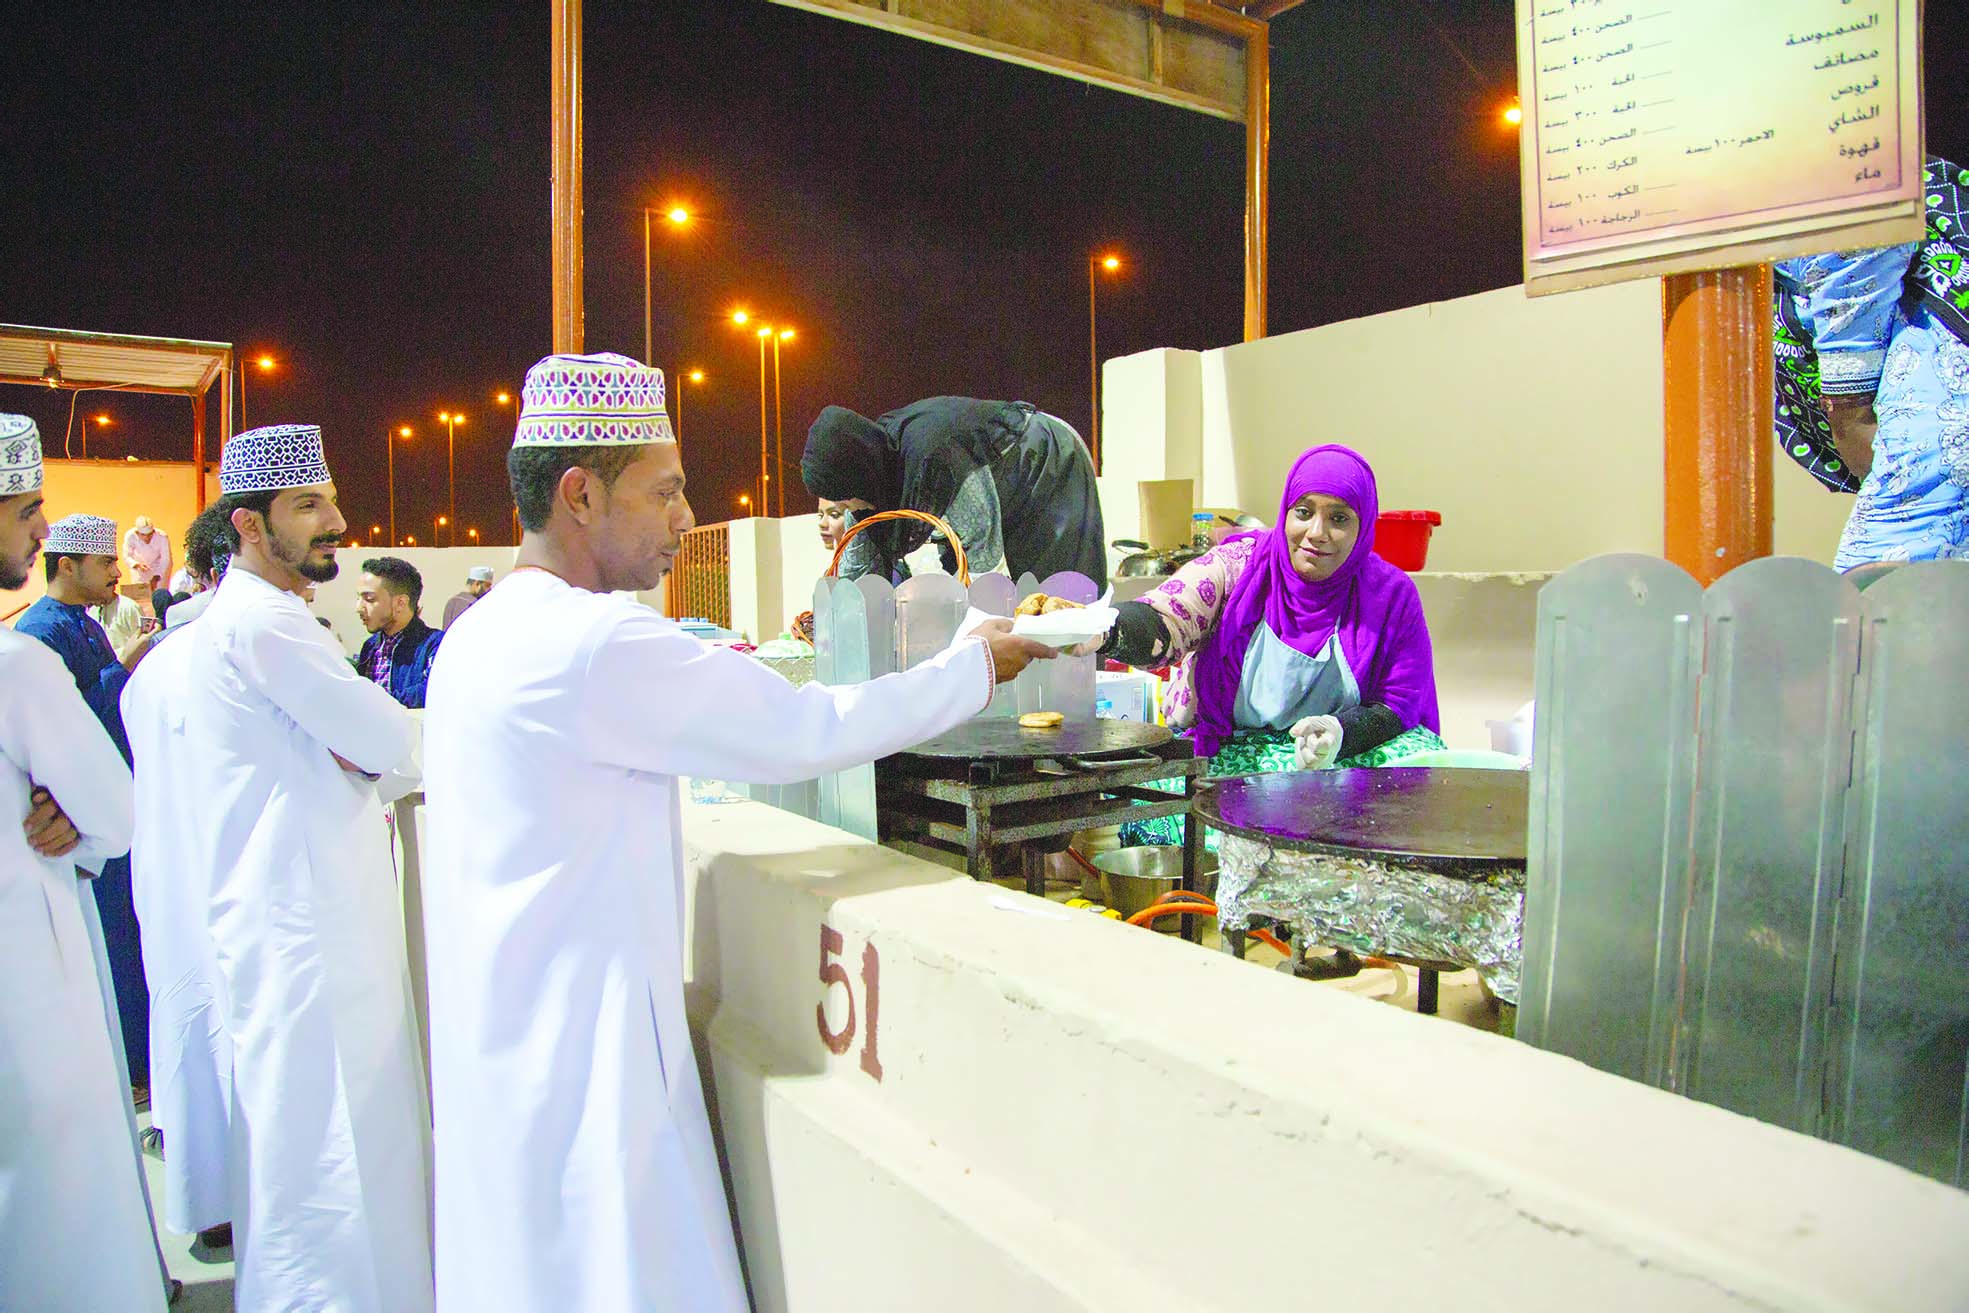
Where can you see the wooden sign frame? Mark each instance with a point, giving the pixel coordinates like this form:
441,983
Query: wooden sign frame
1620,79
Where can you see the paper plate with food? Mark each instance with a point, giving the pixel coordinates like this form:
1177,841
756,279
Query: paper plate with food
1059,623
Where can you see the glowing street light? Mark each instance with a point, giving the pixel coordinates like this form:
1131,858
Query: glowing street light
1513,115
744,501
779,430
451,423
740,317
678,217
690,376
265,364
374,529
390,437
100,421
1110,264
473,534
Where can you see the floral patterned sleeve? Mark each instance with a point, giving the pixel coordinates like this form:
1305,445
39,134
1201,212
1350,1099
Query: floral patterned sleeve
1191,599
1181,611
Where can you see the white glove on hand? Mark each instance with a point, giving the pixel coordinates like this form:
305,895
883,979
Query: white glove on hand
1317,740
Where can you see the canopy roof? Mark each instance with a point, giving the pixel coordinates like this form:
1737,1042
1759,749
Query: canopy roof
65,358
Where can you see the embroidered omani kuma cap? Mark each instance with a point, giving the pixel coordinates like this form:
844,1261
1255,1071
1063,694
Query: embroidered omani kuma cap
81,535
20,456
272,458
589,401
479,574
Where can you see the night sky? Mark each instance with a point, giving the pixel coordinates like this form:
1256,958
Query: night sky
362,192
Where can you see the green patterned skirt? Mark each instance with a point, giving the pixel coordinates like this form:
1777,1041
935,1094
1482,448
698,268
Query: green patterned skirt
1255,752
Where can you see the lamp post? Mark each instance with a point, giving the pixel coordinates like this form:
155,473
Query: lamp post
473,534
779,431
451,423
690,376
265,364
678,216
374,529
390,437
101,422
438,531
763,332
1110,264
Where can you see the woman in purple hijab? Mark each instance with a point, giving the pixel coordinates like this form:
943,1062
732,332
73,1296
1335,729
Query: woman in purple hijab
1295,645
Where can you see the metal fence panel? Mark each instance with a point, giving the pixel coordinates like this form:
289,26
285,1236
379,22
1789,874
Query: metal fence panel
1612,757
1898,1080
1772,765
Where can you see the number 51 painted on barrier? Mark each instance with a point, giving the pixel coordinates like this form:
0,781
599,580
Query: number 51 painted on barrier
833,973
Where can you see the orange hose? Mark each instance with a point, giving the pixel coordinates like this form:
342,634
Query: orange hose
1184,896
924,517
1160,910
1269,939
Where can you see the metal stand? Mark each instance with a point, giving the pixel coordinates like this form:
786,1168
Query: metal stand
1033,807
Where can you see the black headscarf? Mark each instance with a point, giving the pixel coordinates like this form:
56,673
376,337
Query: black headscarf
850,456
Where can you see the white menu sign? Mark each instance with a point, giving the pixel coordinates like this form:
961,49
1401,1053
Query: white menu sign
1671,135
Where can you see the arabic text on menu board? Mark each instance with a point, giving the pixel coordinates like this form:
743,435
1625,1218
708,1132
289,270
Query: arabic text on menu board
1657,114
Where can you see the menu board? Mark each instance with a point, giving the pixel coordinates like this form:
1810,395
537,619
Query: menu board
1673,135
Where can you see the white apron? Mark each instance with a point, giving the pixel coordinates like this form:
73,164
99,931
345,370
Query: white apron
1279,685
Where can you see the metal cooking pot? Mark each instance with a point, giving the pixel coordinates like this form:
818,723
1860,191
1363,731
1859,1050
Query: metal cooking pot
1133,878
1143,563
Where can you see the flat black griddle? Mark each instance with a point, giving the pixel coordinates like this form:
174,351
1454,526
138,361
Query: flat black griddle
1004,739
1452,821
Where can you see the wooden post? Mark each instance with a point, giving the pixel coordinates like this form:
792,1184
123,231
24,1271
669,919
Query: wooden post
1257,175
1716,362
566,90
198,448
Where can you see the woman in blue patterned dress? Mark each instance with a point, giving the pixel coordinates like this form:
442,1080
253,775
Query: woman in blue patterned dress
1873,382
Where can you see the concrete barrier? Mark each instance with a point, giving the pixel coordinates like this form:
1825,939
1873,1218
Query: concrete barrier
933,1093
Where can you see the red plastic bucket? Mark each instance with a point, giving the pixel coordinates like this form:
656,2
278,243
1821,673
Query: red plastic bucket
1401,538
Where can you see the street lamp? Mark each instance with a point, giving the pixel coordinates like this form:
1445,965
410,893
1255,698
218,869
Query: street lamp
451,423
1513,115
690,376
390,437
101,422
1110,264
265,365
473,534
762,332
374,529
443,521
677,216
779,431
744,502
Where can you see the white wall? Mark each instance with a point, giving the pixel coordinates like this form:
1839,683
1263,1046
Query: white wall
1533,425
1072,1114
443,569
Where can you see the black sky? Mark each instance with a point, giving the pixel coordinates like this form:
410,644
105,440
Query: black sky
362,190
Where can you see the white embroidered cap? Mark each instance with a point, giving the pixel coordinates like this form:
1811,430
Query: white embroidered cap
479,574
81,535
20,456
589,401
272,458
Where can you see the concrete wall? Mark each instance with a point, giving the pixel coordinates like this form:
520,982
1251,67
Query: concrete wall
1533,425
443,569
1059,1112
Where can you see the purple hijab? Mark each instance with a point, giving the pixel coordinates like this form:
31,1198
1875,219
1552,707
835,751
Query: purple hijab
1371,604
